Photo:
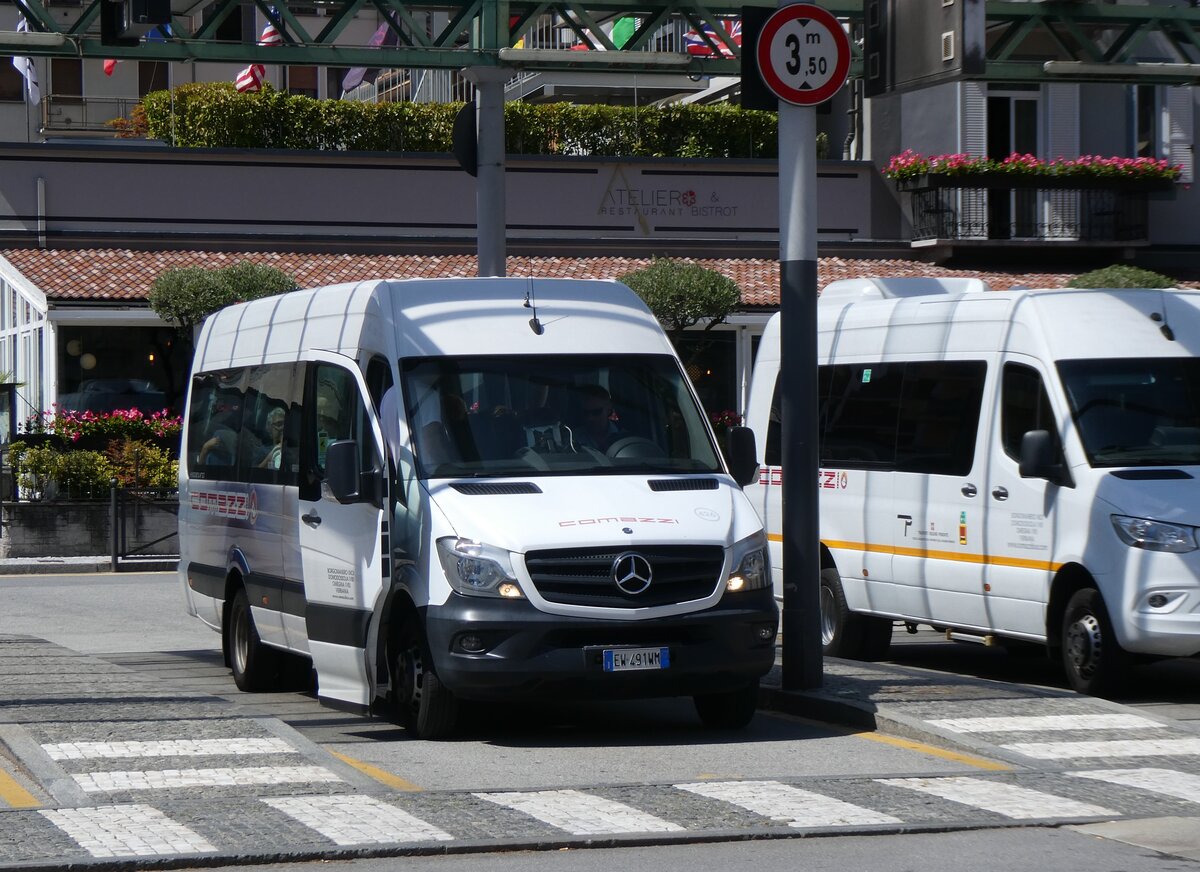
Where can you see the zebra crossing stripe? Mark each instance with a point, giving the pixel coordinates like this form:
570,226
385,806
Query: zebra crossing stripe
166,748
1168,782
581,814
790,805
1116,748
166,779
356,820
126,831
1018,803
1047,723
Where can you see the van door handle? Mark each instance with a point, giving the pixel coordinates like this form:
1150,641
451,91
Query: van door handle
312,518
969,490
1000,493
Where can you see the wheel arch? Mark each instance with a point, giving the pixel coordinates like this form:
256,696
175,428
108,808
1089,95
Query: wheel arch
1070,579
234,582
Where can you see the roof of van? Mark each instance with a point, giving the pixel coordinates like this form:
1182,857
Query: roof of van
409,317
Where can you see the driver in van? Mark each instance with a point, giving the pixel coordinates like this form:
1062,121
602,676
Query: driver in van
599,430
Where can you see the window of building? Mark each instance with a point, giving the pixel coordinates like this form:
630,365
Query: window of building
101,369
152,76
301,80
12,85
66,79
710,360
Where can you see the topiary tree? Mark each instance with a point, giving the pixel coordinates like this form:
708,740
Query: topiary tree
1121,276
682,295
187,295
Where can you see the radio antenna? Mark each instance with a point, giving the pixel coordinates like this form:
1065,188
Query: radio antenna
531,303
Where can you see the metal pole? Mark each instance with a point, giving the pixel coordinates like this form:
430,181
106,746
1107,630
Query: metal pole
802,666
489,192
114,514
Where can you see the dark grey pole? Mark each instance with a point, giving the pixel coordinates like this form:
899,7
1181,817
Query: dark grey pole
802,665
490,201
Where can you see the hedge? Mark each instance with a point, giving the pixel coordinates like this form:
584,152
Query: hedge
215,115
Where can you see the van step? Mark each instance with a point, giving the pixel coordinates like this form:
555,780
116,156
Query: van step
959,636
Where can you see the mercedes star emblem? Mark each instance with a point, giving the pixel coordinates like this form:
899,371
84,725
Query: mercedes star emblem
631,572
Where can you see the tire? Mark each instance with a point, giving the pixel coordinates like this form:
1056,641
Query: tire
844,633
731,710
255,666
425,708
1093,661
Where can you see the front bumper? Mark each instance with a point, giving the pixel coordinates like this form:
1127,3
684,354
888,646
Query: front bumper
530,653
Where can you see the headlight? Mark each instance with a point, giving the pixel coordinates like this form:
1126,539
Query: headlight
1154,535
477,569
751,568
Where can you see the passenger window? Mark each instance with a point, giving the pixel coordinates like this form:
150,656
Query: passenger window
215,424
939,417
271,425
858,415
1024,406
773,450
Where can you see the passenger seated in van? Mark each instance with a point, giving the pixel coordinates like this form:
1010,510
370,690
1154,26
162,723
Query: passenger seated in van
275,421
220,448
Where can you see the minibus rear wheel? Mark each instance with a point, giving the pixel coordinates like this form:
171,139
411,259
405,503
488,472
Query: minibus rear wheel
425,707
1095,664
731,710
844,633
255,665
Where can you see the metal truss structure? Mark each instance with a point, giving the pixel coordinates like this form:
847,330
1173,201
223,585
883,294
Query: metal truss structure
1028,41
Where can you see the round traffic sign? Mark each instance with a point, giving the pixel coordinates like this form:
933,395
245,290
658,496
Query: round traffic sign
803,54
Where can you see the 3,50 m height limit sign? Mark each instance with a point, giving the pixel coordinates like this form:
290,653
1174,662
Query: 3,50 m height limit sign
803,54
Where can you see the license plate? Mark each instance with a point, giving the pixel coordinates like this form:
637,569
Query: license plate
630,659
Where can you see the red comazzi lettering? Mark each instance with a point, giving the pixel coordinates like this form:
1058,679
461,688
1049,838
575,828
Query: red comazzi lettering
221,504
585,522
770,476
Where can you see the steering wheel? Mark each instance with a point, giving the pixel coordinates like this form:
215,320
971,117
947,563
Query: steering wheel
634,448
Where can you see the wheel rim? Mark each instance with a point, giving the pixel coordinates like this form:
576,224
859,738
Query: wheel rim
828,616
411,668
241,639
1085,645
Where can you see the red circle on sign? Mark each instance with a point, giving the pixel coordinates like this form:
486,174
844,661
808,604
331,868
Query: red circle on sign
773,78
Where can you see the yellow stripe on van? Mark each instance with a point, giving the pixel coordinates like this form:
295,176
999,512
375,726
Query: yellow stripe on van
931,554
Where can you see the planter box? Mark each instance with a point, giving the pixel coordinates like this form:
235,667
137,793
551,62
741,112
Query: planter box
1013,181
84,529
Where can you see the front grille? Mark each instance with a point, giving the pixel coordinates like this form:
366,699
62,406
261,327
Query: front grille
583,576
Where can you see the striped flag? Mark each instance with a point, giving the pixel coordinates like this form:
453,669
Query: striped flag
251,78
25,66
695,44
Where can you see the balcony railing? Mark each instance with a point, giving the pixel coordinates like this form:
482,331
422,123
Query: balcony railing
66,115
982,207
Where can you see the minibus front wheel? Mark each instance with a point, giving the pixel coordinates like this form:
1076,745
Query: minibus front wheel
425,707
1094,662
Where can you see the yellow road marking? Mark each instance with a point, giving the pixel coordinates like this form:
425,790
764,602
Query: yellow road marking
380,775
934,751
14,795
906,744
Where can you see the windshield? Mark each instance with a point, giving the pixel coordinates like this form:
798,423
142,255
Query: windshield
1136,412
554,415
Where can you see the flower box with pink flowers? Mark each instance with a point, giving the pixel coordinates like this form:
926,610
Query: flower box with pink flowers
911,171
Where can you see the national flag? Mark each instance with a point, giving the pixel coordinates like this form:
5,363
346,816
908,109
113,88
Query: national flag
623,30
25,66
251,78
695,44
109,66
385,36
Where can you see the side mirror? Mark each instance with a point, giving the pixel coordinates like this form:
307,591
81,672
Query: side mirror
347,481
1040,458
742,455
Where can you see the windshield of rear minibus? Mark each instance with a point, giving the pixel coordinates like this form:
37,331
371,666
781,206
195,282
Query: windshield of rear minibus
1137,411
534,415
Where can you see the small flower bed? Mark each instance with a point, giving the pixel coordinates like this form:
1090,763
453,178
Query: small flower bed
118,424
910,164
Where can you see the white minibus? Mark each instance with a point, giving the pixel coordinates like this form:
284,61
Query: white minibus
468,489
1002,465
